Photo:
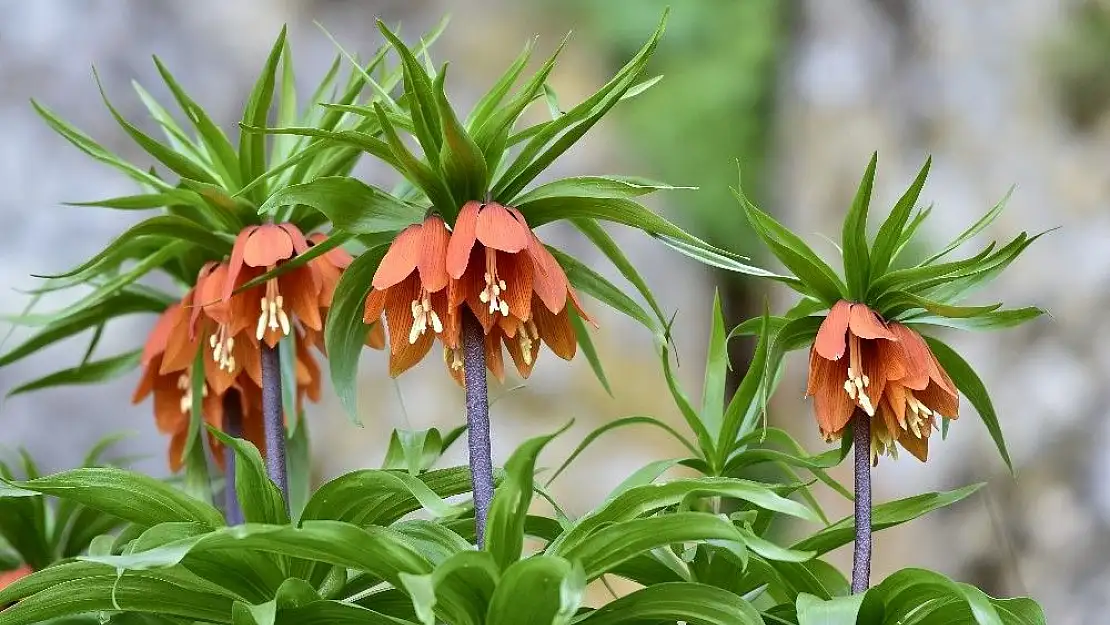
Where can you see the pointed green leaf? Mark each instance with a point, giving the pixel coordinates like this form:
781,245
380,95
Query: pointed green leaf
857,264
716,369
464,165
582,335
969,384
259,497
995,320
85,373
252,146
892,229
344,331
590,282
605,243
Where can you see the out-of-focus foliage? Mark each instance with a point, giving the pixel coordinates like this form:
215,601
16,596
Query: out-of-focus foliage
1076,60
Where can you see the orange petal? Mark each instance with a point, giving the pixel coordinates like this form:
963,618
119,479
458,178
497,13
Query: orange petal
449,317
235,265
375,305
433,255
864,323
177,451
831,342
146,383
896,400
398,313
556,331
462,239
267,246
579,309
918,447
249,356
300,244
495,359
301,297
400,260
406,354
180,351
549,280
516,271
524,367
916,358
499,229
375,336
832,405
160,333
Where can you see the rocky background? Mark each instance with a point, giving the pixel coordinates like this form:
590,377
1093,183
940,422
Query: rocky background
998,93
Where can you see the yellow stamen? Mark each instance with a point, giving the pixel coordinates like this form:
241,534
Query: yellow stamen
185,385
857,380
453,358
495,286
221,345
917,416
423,316
527,336
273,314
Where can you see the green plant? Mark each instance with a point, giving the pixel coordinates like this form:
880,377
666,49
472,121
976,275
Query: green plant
450,255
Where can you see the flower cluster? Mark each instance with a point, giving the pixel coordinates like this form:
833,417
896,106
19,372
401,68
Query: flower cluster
226,325
492,266
889,373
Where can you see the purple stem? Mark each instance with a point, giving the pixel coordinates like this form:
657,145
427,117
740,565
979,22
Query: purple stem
861,557
233,426
273,420
477,420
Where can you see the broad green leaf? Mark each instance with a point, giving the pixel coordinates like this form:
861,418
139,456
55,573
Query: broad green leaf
968,383
541,590
643,500
505,527
351,205
884,515
131,496
432,540
50,576
377,550
252,146
839,611
459,589
376,497
917,596
87,373
607,547
344,330
857,263
893,227
167,593
259,498
691,603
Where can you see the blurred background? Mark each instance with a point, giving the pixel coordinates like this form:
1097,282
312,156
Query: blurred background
801,92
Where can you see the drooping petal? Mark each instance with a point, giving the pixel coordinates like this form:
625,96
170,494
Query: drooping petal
337,257
375,336
864,323
404,354
896,400
516,271
433,254
400,260
499,229
495,359
235,265
302,297
146,382
831,341
268,245
296,237
918,447
915,355
548,278
180,350
159,335
462,240
556,331
831,403
398,313
524,360
374,306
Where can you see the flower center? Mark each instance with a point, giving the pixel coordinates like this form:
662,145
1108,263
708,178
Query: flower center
495,286
221,345
185,385
273,313
423,316
526,336
919,418
453,358
857,380
882,443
